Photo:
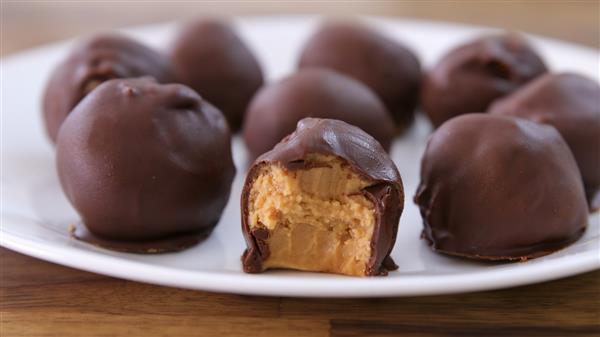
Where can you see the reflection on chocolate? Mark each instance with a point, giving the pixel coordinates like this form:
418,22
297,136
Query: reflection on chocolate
275,110
390,69
147,166
91,62
470,77
499,188
209,56
570,103
327,198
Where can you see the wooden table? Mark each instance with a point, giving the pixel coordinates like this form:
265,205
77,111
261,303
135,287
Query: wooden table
43,299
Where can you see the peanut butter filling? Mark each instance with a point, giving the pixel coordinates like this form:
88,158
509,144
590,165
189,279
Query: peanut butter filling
317,218
91,85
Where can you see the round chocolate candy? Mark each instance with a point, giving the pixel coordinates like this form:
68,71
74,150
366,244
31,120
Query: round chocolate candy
328,198
386,66
499,188
570,103
275,110
93,61
209,56
147,166
470,77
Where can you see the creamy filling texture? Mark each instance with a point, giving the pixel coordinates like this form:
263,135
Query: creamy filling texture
318,218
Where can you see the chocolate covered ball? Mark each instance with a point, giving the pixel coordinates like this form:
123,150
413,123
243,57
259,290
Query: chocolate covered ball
91,62
499,188
147,166
570,103
275,110
211,58
328,198
386,66
470,77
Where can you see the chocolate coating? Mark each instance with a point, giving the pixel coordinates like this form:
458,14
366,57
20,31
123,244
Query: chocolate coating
275,110
499,188
91,62
386,66
570,103
364,155
146,165
211,58
470,77
152,246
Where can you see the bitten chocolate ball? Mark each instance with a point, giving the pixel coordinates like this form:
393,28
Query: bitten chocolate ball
147,166
386,66
275,110
499,188
470,77
570,103
91,62
327,198
211,58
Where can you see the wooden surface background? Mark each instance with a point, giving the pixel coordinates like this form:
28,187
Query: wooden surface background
43,299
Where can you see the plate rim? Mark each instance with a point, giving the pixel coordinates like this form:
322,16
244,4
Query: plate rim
268,284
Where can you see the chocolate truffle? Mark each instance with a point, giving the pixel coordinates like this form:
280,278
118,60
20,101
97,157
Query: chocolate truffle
327,198
390,69
91,62
499,188
470,77
570,103
210,57
147,166
275,110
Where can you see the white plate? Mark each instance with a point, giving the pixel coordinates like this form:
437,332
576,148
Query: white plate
35,214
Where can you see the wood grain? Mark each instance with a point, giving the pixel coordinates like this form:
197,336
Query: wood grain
76,303
38,298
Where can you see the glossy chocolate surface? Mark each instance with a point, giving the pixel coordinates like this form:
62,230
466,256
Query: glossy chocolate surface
570,103
277,108
499,188
386,66
212,59
91,62
364,155
470,77
145,163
